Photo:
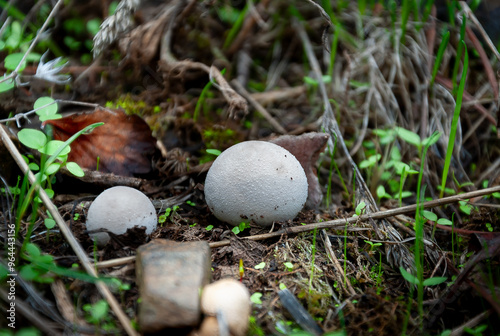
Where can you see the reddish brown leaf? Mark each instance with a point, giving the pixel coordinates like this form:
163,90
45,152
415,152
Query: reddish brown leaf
306,148
123,144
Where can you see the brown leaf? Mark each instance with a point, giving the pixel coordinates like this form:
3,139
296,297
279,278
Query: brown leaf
306,148
123,144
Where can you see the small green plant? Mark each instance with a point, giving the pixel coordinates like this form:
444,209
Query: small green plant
360,208
415,281
260,266
373,246
256,298
477,331
209,227
288,266
98,315
239,228
168,214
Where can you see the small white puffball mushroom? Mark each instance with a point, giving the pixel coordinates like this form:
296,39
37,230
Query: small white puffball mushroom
118,209
230,300
255,180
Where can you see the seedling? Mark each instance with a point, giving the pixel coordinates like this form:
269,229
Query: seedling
260,266
289,266
360,208
98,315
255,298
415,281
240,227
373,246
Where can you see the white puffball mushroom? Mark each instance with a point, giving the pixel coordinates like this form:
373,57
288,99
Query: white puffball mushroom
229,299
118,209
255,180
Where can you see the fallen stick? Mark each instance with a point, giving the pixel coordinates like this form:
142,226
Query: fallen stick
336,223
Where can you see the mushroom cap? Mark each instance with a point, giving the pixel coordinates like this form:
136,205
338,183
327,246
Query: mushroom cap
229,298
118,209
255,180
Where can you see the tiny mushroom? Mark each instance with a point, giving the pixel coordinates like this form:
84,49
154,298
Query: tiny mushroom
229,301
258,181
117,209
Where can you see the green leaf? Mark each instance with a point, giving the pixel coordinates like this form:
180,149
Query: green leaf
209,228
16,34
404,194
444,221
49,111
11,61
395,154
49,193
215,152
99,310
260,266
32,138
360,208
6,85
409,136
236,230
52,169
432,139
408,277
434,281
93,26
49,223
33,166
465,207
75,169
311,81
53,146
255,298
430,215
288,265
32,250
381,191
401,167
28,272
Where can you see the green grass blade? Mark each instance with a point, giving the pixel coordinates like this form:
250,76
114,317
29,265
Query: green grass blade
460,51
439,57
454,122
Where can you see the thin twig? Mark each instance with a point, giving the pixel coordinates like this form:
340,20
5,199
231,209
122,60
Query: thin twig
336,264
337,223
241,90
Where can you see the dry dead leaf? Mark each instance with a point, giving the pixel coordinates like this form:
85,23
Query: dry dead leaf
306,148
123,145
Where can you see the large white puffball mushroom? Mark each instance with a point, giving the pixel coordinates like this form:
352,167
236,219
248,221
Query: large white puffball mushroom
255,180
227,299
118,209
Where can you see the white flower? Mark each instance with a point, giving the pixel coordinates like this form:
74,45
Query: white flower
49,71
